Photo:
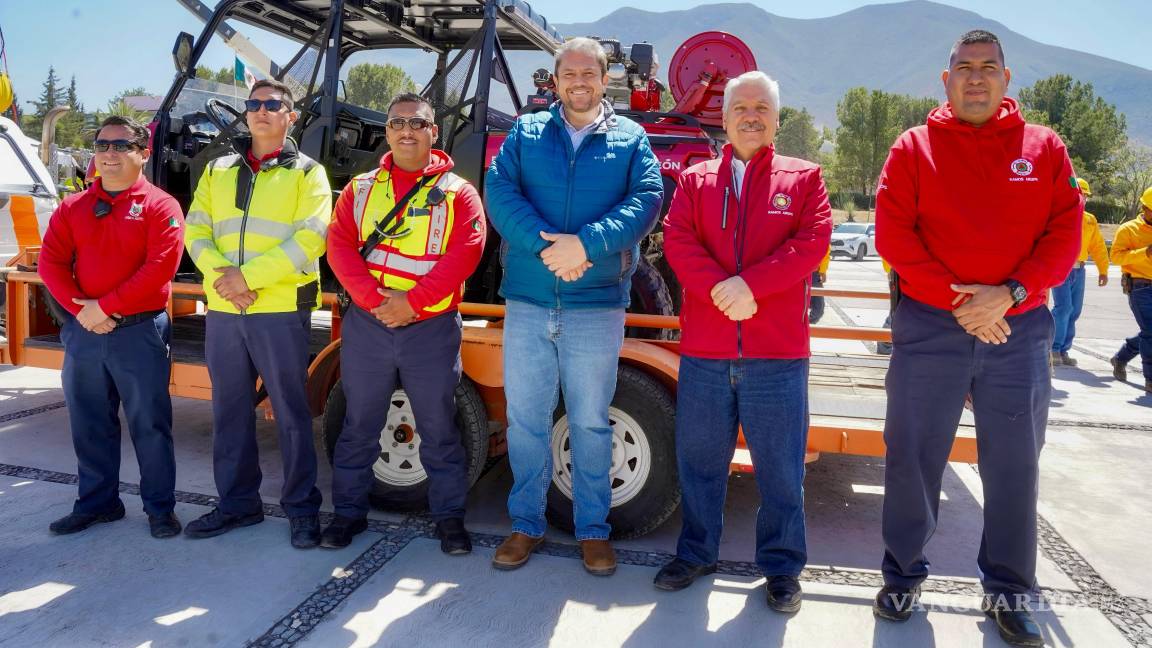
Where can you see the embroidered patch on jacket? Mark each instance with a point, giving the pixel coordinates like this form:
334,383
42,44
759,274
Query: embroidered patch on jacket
136,211
1022,167
781,201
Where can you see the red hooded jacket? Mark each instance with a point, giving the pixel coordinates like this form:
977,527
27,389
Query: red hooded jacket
960,204
125,259
459,261
773,236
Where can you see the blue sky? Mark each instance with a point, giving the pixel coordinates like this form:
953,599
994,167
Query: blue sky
111,45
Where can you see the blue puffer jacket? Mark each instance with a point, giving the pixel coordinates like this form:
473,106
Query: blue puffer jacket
608,193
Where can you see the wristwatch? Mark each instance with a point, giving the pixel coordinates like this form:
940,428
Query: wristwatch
1018,291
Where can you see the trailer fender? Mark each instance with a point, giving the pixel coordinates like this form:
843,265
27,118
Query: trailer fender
322,375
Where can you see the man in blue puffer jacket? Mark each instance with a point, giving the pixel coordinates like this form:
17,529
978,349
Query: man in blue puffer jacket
572,192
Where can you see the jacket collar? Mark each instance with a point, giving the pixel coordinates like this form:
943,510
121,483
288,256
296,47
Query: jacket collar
608,117
242,144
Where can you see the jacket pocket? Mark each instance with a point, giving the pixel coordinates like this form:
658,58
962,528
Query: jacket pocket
627,263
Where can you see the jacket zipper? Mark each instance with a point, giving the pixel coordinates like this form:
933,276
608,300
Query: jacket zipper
572,153
244,221
737,243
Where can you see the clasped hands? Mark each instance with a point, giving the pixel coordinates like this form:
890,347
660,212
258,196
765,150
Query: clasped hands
93,318
232,286
565,257
734,298
981,311
394,311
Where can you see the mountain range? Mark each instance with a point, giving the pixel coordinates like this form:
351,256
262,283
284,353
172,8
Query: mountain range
900,47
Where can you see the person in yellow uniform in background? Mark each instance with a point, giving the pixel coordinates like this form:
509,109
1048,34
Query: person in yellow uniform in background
1132,251
819,276
1068,297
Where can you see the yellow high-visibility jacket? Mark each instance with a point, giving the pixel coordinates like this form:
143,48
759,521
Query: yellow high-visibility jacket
1129,248
271,224
1092,243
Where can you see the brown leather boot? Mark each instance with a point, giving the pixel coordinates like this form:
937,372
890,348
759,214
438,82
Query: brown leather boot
599,559
515,551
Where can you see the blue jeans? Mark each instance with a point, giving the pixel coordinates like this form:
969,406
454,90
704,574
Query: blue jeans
769,399
1067,302
547,350
1140,301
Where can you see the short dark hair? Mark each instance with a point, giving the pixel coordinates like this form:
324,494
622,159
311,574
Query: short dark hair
140,134
410,97
976,36
284,90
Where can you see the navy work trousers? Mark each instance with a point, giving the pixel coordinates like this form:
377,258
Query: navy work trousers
424,359
128,366
935,364
1140,301
273,346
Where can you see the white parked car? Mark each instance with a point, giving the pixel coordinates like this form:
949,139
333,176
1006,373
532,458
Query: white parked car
854,240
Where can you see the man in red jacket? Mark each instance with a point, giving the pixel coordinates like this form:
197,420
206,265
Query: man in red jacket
743,234
978,214
425,230
109,256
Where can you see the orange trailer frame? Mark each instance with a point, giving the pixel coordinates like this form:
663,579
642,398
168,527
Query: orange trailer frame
481,353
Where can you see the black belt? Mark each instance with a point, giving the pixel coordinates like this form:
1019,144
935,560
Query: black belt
135,318
1137,282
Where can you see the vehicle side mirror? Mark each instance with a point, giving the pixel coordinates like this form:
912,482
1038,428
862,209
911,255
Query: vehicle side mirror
182,52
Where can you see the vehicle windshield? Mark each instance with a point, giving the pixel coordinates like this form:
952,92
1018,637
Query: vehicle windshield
851,228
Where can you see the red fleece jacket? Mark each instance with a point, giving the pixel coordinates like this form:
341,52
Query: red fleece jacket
125,259
960,204
462,255
773,236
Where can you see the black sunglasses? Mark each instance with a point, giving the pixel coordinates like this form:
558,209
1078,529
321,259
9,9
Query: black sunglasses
273,105
118,145
417,123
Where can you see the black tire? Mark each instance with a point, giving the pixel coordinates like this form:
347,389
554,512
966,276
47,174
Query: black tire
651,407
471,418
650,296
861,252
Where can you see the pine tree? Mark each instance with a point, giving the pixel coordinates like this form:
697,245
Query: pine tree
69,130
49,99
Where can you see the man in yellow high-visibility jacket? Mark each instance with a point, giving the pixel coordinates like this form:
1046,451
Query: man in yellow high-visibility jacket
1132,251
256,229
1068,297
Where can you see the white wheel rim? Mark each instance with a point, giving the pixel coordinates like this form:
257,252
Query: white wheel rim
399,460
631,457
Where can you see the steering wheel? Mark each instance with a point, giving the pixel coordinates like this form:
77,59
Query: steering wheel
218,112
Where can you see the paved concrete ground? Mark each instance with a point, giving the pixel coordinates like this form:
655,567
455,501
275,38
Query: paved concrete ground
115,586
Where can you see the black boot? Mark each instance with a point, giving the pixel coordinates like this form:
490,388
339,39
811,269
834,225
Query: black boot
784,594
340,532
454,539
680,573
305,531
1017,627
164,526
896,603
217,522
76,522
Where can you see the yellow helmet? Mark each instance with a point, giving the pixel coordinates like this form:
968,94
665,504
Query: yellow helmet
1146,198
1084,188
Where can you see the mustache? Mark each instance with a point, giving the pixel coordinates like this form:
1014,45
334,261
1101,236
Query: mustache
752,127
